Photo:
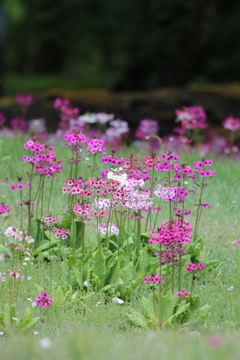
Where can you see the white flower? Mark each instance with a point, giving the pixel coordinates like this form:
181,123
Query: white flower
104,117
89,118
117,300
120,177
45,343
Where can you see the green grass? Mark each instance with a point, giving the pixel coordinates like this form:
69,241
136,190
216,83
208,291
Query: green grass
84,330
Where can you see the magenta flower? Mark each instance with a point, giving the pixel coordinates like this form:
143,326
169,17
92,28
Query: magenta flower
154,279
206,206
231,123
20,186
24,100
44,299
201,266
214,341
4,209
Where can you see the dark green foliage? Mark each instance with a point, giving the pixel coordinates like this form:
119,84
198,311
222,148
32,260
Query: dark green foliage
125,43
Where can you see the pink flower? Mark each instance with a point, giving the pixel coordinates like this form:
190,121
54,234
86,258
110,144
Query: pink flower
4,209
191,267
206,206
20,186
231,123
214,341
44,299
24,100
201,266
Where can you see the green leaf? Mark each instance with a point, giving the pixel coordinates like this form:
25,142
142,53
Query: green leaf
114,274
36,229
99,266
128,241
168,303
153,322
59,296
138,319
25,319
46,245
79,228
7,319
71,261
31,324
147,306
195,303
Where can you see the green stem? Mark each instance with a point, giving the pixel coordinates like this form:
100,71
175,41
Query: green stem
50,195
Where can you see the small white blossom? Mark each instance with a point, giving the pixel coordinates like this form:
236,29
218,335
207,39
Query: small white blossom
117,300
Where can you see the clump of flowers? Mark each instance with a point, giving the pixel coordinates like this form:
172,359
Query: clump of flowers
153,279
4,209
182,293
110,229
192,267
192,117
49,222
231,123
24,100
18,235
44,299
146,127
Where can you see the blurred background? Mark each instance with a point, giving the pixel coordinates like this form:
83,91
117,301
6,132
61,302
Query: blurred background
118,45
134,58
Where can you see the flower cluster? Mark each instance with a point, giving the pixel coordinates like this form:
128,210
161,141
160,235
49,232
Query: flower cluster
20,186
18,235
49,222
95,146
118,176
118,128
44,299
154,279
18,124
12,275
192,118
182,293
193,267
24,100
172,232
114,160
45,163
4,209
146,127
111,229
91,118
231,123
